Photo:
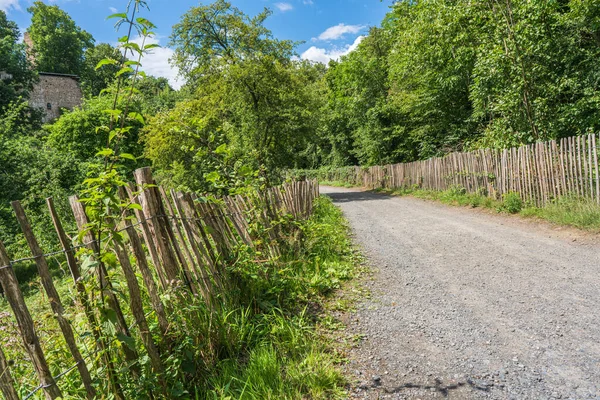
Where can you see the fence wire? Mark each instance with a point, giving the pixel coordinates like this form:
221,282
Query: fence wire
211,213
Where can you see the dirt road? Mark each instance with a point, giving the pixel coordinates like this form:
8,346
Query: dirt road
470,305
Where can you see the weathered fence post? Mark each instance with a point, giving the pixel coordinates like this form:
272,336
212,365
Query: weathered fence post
185,206
147,236
142,263
136,305
54,298
155,216
7,385
26,328
175,242
200,253
83,298
204,228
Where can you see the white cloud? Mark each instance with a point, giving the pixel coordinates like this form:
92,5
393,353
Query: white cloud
283,7
156,62
322,55
338,31
6,5
113,10
308,2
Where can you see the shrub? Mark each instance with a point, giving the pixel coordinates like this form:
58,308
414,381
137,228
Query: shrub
475,201
512,203
482,191
457,190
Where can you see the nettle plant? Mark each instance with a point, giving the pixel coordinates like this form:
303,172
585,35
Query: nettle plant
103,191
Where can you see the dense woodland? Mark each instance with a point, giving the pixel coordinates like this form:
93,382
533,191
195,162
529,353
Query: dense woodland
436,76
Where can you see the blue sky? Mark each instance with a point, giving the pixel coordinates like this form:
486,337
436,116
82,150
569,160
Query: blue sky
329,28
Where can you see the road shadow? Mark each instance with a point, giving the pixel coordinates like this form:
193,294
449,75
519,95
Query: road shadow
350,196
438,387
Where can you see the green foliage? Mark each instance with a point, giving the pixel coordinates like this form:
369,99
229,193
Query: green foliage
276,353
157,95
106,206
258,344
441,76
94,80
189,148
572,211
456,191
30,172
264,102
361,125
569,211
326,174
75,133
59,44
17,77
512,203
431,61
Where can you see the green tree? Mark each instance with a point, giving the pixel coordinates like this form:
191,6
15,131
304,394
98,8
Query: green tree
94,80
447,75
536,77
188,148
157,95
31,171
431,72
59,44
75,134
16,77
362,126
234,60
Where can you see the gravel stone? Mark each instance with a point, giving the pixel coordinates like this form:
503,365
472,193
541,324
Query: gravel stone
466,304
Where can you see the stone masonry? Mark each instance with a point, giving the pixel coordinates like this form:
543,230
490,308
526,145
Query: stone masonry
54,92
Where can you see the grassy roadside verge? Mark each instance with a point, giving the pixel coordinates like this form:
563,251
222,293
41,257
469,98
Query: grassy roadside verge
296,357
571,211
272,340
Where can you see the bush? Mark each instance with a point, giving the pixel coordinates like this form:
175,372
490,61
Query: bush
512,203
457,190
475,201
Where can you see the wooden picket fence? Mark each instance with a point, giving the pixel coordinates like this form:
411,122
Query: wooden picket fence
538,172
175,240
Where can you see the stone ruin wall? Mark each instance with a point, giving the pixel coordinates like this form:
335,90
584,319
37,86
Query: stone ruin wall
54,92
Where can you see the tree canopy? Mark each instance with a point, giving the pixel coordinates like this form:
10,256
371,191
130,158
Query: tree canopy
440,76
59,45
236,64
16,75
94,80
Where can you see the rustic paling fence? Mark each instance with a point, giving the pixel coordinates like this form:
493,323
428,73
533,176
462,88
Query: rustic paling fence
538,172
175,239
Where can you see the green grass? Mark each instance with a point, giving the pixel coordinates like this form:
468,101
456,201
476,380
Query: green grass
569,211
291,359
270,340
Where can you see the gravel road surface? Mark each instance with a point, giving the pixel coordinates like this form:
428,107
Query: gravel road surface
467,304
